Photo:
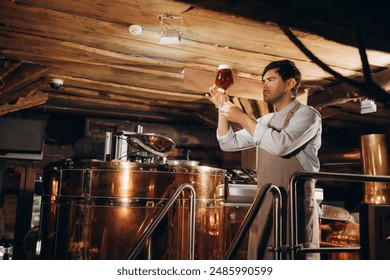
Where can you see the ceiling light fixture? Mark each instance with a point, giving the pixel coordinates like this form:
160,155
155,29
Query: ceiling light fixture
170,34
367,106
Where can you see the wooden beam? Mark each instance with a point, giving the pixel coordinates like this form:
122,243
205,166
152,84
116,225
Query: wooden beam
72,99
135,91
248,109
29,90
7,67
25,75
29,101
74,92
208,117
343,93
112,37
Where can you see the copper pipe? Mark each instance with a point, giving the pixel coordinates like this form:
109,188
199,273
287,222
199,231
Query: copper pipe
340,156
374,157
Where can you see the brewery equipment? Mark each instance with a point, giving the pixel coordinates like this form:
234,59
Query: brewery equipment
241,188
374,156
94,209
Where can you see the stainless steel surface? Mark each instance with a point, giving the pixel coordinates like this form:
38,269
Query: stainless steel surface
135,143
375,162
156,142
95,210
240,193
183,162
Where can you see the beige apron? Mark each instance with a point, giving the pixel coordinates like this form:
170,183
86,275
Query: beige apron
278,171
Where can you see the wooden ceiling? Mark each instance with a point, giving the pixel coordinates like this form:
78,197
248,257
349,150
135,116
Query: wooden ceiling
108,72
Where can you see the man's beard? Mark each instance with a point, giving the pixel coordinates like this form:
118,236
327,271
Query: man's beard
275,99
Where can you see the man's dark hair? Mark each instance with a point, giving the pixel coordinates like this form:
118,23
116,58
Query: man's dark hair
286,69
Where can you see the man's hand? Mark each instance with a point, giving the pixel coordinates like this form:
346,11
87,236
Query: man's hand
231,112
217,96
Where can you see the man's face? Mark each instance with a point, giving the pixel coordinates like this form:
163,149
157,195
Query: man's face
273,86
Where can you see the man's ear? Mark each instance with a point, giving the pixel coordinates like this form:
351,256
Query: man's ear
291,83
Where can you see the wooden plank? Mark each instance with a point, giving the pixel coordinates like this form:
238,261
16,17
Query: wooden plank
200,24
29,90
247,108
130,105
341,94
128,90
262,107
359,119
104,95
22,76
112,37
159,7
7,67
119,112
24,103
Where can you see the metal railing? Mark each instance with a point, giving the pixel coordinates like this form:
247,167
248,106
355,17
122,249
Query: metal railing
250,217
295,247
158,218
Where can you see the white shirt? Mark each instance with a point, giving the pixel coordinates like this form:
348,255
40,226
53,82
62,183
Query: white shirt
303,133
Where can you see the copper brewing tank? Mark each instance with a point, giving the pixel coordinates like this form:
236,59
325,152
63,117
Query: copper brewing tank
374,157
96,210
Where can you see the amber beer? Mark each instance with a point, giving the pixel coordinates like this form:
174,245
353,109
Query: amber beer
224,77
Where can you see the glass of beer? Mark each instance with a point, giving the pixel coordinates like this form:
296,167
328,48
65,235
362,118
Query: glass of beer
224,77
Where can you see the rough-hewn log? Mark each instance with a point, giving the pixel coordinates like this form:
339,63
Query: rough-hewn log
6,67
22,76
33,100
25,91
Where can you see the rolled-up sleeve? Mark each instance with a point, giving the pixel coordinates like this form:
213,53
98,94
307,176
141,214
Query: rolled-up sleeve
242,139
259,132
302,128
235,141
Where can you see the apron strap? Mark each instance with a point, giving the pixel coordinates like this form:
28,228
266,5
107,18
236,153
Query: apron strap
290,115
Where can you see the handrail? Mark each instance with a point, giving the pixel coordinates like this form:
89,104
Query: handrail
251,215
152,226
293,204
